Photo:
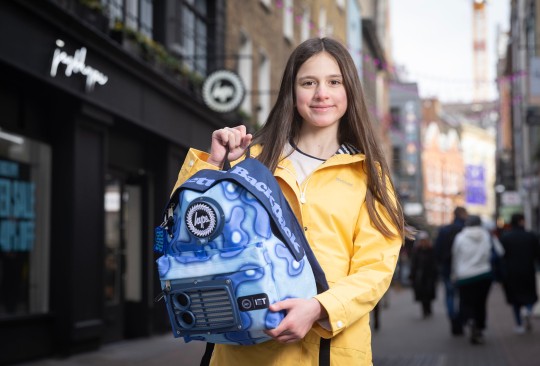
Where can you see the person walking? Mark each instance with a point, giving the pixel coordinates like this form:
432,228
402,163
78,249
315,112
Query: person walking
522,250
423,274
497,254
319,143
443,252
471,270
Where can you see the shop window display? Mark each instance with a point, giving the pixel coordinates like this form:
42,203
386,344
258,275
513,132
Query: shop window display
25,176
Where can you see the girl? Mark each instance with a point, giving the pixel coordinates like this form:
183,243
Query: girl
319,143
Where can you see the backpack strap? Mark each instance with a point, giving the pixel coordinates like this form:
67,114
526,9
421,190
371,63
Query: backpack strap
324,352
205,360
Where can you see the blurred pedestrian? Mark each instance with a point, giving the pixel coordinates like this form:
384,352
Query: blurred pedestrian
403,268
498,267
471,270
443,252
521,251
423,274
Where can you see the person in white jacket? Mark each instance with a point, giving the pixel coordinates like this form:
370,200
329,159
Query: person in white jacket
471,266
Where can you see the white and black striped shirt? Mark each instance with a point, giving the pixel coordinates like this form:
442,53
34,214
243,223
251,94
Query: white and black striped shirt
304,164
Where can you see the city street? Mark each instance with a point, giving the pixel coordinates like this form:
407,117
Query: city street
375,116
403,339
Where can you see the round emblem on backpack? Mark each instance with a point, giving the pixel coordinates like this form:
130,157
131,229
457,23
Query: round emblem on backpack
203,218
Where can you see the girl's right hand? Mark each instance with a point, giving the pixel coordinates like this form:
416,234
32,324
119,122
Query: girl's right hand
235,138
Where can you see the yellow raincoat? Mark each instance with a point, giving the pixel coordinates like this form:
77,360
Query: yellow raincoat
357,259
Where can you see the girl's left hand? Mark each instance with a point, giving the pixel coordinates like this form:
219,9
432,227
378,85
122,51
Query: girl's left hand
301,314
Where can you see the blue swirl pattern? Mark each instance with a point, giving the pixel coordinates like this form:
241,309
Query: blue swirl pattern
246,252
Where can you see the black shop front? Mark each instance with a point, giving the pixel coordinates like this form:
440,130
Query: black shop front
91,140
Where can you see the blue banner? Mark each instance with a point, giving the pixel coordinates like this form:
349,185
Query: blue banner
475,184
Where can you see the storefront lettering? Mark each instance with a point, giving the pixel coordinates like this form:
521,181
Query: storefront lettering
76,64
9,169
16,199
16,236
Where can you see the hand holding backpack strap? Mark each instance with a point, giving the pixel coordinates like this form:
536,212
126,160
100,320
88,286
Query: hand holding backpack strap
226,163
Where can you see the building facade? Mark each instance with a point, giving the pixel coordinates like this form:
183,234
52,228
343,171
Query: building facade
100,105
477,129
405,132
442,164
479,159
376,68
518,154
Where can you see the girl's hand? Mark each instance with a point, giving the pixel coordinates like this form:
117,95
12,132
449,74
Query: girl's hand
235,138
301,314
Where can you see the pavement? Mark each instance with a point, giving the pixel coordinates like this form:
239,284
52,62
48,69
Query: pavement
404,338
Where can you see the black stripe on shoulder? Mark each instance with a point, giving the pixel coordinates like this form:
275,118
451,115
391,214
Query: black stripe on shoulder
347,148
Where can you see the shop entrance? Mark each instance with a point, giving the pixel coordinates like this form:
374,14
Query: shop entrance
123,259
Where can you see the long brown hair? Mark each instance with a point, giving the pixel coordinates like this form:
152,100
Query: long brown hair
355,127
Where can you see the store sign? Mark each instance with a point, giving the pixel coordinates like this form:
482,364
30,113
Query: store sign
17,207
76,64
223,91
510,198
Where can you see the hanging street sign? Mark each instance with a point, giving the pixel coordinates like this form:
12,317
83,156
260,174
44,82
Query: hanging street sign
223,91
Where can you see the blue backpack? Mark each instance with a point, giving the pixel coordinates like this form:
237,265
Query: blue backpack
231,246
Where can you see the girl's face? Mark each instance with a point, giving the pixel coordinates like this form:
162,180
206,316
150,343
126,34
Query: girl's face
321,99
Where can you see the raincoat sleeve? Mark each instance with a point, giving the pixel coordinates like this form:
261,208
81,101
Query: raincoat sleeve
372,265
195,160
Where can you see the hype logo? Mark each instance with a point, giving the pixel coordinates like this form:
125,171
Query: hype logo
201,221
203,218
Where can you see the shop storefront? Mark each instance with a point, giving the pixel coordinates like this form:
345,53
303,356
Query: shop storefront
91,140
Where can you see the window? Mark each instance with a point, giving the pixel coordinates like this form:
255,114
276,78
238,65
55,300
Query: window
530,28
190,38
305,30
245,69
288,19
354,33
322,22
25,182
146,22
397,160
134,14
264,89
395,118
116,11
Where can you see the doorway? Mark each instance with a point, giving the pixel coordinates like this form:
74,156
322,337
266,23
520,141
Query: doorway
123,256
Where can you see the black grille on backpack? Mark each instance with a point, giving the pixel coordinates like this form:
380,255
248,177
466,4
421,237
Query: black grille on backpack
204,306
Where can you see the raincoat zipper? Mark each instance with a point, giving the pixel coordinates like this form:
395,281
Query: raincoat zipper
305,184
